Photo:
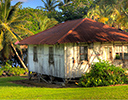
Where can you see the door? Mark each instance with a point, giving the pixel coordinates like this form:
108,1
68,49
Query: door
108,53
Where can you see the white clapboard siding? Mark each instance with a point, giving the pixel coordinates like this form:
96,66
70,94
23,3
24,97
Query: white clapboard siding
30,58
66,57
59,60
42,65
76,69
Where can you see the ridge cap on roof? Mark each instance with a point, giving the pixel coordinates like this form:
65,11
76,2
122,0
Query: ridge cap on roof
70,31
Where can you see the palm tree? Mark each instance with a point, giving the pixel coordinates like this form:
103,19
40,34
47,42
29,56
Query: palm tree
10,24
50,5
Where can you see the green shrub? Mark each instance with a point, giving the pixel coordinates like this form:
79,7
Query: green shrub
15,71
6,67
103,74
1,72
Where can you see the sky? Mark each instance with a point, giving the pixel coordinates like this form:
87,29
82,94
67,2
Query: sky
28,3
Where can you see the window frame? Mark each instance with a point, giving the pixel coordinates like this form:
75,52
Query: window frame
35,55
51,55
84,54
125,52
121,53
118,52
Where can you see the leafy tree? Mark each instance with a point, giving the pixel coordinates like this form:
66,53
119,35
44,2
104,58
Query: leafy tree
56,15
122,13
111,12
38,21
70,10
100,14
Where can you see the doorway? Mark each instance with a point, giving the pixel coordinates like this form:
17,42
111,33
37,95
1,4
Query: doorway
108,53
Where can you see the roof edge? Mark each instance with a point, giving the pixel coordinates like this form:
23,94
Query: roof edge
37,34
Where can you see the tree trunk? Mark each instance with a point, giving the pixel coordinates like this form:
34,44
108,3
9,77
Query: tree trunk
18,56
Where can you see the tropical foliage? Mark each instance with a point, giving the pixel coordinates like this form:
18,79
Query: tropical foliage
8,70
49,5
103,74
10,27
69,10
111,12
100,14
18,23
73,10
38,21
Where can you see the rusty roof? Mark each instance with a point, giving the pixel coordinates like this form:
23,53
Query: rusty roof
80,30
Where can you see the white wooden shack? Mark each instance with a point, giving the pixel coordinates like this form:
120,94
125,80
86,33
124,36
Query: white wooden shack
68,49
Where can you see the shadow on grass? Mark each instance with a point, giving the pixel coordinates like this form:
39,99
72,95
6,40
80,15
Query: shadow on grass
7,81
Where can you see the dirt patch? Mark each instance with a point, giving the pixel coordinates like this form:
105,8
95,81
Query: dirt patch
36,83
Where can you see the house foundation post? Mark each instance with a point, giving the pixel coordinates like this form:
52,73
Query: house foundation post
29,75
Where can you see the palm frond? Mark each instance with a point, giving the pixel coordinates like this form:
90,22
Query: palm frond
18,19
50,5
1,40
8,28
13,11
28,32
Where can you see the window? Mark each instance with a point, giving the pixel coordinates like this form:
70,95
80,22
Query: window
126,52
118,50
118,55
51,60
83,53
121,49
35,54
126,56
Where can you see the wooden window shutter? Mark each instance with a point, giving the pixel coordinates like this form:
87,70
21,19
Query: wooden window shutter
51,59
35,58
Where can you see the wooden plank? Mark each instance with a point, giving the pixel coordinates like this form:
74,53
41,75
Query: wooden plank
65,61
30,57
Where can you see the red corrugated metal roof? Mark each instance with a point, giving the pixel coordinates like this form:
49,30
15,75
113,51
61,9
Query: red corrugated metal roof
80,30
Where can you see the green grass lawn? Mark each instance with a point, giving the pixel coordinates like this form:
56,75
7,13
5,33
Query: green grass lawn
13,91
